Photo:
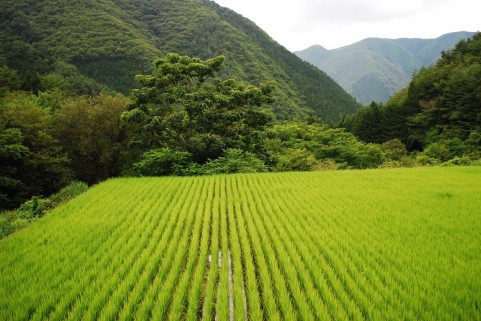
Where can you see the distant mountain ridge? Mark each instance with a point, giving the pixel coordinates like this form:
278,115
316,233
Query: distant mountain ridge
374,69
109,42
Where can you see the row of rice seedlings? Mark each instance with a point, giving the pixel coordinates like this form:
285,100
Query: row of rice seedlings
293,284
146,269
237,281
120,258
378,280
342,253
329,284
197,248
171,265
273,304
295,260
253,290
352,249
351,252
323,296
208,298
223,295
356,303
28,300
120,265
194,297
63,277
151,232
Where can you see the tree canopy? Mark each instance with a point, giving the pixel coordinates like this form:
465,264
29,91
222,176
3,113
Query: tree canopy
182,105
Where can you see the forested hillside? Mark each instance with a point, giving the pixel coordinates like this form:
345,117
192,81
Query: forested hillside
92,46
374,69
439,113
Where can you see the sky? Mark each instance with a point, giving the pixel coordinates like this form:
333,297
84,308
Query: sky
299,24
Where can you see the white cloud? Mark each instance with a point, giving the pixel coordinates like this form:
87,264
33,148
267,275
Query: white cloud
302,23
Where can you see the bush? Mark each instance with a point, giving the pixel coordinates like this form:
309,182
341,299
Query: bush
425,160
164,162
33,208
11,221
6,223
297,160
394,149
458,161
234,161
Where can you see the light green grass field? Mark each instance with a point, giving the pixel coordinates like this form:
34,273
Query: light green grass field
400,244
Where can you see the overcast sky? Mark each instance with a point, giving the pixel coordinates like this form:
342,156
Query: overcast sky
298,24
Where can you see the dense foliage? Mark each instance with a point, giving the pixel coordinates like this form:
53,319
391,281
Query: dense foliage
439,113
101,45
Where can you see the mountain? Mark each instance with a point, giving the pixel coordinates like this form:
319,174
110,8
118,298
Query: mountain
374,69
105,43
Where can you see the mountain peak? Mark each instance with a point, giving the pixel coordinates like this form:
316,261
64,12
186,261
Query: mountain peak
373,69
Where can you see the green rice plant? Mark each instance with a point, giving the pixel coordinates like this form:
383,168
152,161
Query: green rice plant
208,297
349,245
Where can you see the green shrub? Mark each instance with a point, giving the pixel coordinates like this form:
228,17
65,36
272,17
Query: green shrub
458,161
6,223
394,149
33,208
163,162
297,160
234,161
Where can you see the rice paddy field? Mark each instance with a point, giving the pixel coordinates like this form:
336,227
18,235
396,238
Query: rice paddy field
401,244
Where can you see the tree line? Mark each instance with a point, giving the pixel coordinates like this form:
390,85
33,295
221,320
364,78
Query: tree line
438,116
182,119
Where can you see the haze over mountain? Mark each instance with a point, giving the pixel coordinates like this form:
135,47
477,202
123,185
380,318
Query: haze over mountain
374,69
106,43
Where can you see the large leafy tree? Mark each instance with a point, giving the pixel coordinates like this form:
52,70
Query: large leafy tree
183,106
32,161
91,132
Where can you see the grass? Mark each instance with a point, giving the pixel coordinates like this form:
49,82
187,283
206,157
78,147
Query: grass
359,245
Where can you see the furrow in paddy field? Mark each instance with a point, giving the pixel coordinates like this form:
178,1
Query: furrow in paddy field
209,292
201,288
230,252
222,296
251,276
193,303
237,281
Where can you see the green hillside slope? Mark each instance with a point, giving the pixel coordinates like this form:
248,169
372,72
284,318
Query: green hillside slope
111,41
374,69
291,246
